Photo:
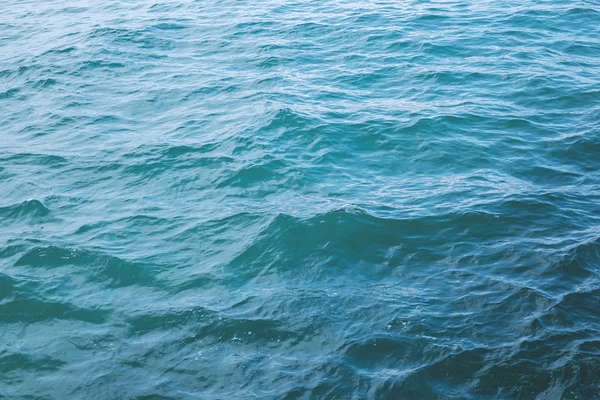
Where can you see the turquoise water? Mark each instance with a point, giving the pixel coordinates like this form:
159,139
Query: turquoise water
299,199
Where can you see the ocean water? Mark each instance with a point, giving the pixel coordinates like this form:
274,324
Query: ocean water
299,199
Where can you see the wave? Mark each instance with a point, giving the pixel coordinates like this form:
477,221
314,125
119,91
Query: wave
95,266
251,175
19,362
29,209
333,200
50,160
7,285
30,308
343,240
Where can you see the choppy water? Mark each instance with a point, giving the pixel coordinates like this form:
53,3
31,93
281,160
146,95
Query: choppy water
299,199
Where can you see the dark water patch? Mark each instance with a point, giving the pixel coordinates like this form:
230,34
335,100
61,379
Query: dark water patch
7,286
9,249
548,175
168,319
575,309
392,352
155,396
249,330
582,149
439,376
576,266
15,362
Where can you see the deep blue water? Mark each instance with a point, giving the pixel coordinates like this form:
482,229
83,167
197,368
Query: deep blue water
299,199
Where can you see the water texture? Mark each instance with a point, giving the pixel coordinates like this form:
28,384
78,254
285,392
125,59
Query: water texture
299,199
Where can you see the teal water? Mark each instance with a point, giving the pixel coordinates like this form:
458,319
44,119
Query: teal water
299,199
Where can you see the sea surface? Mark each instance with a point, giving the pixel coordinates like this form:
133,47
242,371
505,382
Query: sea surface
285,199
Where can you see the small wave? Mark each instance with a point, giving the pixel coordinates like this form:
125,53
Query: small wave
579,262
272,61
33,209
37,159
9,93
147,166
169,26
286,118
213,326
577,310
33,309
251,175
177,151
95,266
136,221
44,83
59,51
343,240
584,14
107,65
